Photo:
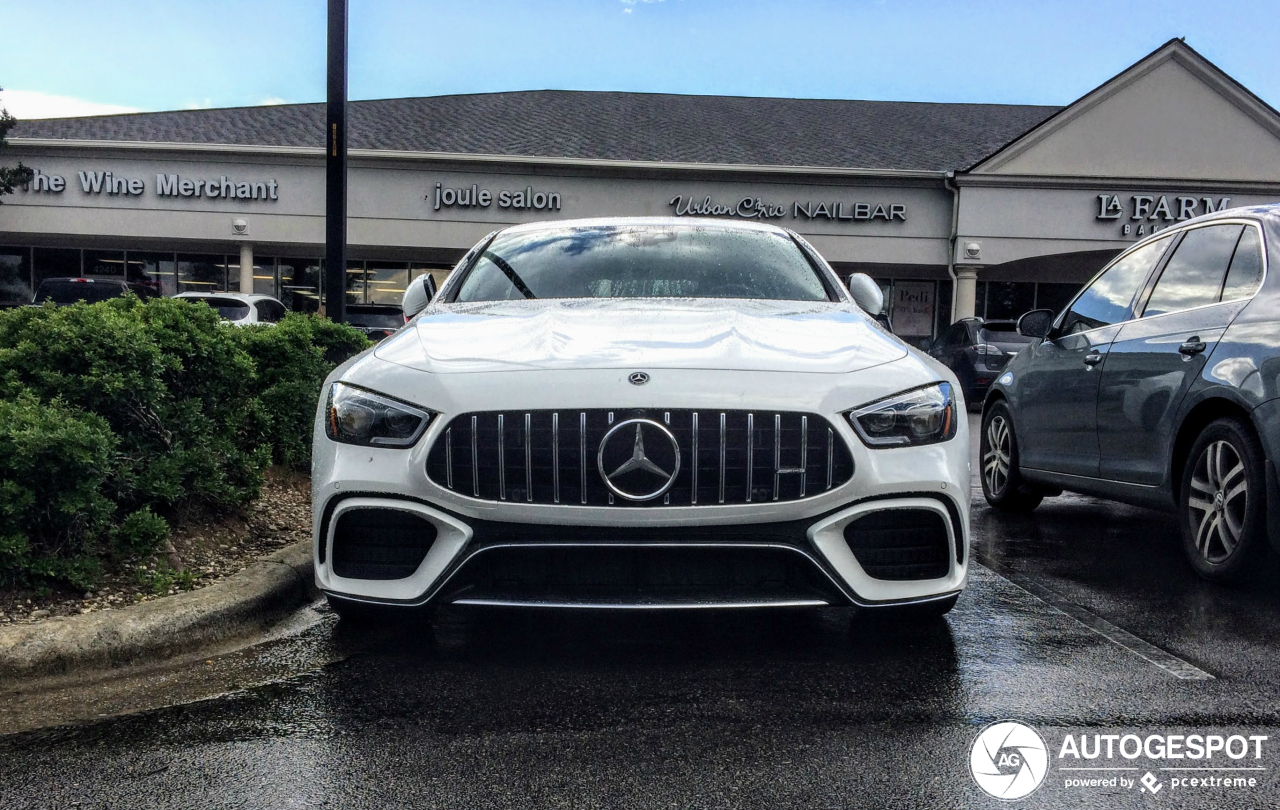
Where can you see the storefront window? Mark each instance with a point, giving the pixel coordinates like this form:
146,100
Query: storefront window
439,272
15,275
385,282
1055,296
201,272
157,269
944,307
104,263
1007,300
356,282
264,276
55,263
300,284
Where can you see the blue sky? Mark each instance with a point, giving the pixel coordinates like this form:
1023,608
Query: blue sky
70,56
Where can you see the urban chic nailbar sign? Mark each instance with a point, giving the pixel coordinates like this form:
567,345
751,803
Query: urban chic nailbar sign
756,208
475,197
167,185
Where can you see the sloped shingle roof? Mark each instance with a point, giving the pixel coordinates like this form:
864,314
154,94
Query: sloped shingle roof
604,125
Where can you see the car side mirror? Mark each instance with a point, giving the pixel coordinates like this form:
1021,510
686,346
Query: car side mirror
866,293
418,294
1036,324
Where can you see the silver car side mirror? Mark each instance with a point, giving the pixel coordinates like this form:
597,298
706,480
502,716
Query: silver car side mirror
417,295
1037,323
866,293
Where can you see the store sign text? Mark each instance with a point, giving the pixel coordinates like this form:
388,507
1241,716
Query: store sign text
167,185
756,208
1151,212
476,197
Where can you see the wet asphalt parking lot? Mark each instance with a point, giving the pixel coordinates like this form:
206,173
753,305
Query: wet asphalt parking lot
1079,619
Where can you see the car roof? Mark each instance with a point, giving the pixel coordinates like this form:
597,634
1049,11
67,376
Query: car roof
248,298
653,222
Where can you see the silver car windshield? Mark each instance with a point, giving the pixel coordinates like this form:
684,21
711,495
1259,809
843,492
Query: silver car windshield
642,261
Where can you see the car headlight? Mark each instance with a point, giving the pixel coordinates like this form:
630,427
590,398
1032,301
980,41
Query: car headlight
357,416
919,416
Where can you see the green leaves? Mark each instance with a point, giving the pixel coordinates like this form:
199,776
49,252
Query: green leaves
115,415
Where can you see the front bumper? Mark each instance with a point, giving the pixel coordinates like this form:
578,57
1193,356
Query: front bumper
804,537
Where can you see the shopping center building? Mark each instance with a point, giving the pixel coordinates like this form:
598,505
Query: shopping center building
957,209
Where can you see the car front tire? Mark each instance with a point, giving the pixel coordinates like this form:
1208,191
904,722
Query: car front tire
1222,504
1002,482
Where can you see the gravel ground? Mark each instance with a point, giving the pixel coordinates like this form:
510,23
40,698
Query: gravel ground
205,550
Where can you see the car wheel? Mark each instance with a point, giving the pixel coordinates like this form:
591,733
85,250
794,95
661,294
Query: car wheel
1002,482
1222,502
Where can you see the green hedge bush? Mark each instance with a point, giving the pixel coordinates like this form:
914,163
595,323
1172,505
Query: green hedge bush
115,415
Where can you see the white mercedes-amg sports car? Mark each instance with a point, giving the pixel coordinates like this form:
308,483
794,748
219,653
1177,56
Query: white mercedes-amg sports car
642,413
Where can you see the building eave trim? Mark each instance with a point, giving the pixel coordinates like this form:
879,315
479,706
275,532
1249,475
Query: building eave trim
1090,182
484,159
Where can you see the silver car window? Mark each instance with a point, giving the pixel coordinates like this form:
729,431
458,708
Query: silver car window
1193,276
1109,298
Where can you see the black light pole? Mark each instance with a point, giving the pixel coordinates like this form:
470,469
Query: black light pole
335,164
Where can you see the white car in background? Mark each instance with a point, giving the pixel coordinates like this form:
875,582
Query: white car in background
240,309
642,413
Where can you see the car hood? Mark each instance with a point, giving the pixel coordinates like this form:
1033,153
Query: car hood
642,334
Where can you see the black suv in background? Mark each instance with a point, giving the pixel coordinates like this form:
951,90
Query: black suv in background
977,351
62,291
1158,385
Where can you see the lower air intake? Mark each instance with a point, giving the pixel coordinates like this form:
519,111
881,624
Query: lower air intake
380,543
901,544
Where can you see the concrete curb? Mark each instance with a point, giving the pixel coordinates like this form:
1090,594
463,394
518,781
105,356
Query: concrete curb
262,593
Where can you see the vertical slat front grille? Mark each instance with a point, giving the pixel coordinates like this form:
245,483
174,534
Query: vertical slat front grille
725,457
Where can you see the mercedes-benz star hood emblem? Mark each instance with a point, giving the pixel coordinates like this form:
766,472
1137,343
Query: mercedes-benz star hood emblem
638,476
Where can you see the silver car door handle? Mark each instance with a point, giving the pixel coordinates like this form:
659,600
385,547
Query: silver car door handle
1192,346
1092,358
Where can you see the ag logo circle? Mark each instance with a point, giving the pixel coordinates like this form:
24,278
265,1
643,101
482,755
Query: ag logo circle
1009,760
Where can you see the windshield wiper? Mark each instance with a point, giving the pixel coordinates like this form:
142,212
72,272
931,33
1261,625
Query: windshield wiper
511,274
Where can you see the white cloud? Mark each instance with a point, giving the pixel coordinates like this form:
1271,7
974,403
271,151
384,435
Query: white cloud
33,104
198,105
271,101
630,4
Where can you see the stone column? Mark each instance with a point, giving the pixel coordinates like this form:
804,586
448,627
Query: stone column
246,267
966,292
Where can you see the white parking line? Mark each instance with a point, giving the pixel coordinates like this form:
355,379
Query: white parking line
1123,638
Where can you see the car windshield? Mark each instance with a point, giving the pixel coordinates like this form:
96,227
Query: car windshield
229,309
642,261
68,292
375,318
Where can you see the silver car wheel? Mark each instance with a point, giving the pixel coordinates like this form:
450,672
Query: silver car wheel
1219,501
995,462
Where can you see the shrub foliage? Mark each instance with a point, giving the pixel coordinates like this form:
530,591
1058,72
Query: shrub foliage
113,416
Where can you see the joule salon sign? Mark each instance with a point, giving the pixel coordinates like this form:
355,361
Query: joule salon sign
756,208
473,196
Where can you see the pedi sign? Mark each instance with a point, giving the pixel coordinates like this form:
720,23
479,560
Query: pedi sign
1141,214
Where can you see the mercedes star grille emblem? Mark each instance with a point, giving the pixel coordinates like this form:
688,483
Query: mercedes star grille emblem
638,378
628,469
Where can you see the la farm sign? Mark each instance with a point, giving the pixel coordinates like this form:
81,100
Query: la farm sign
1142,214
